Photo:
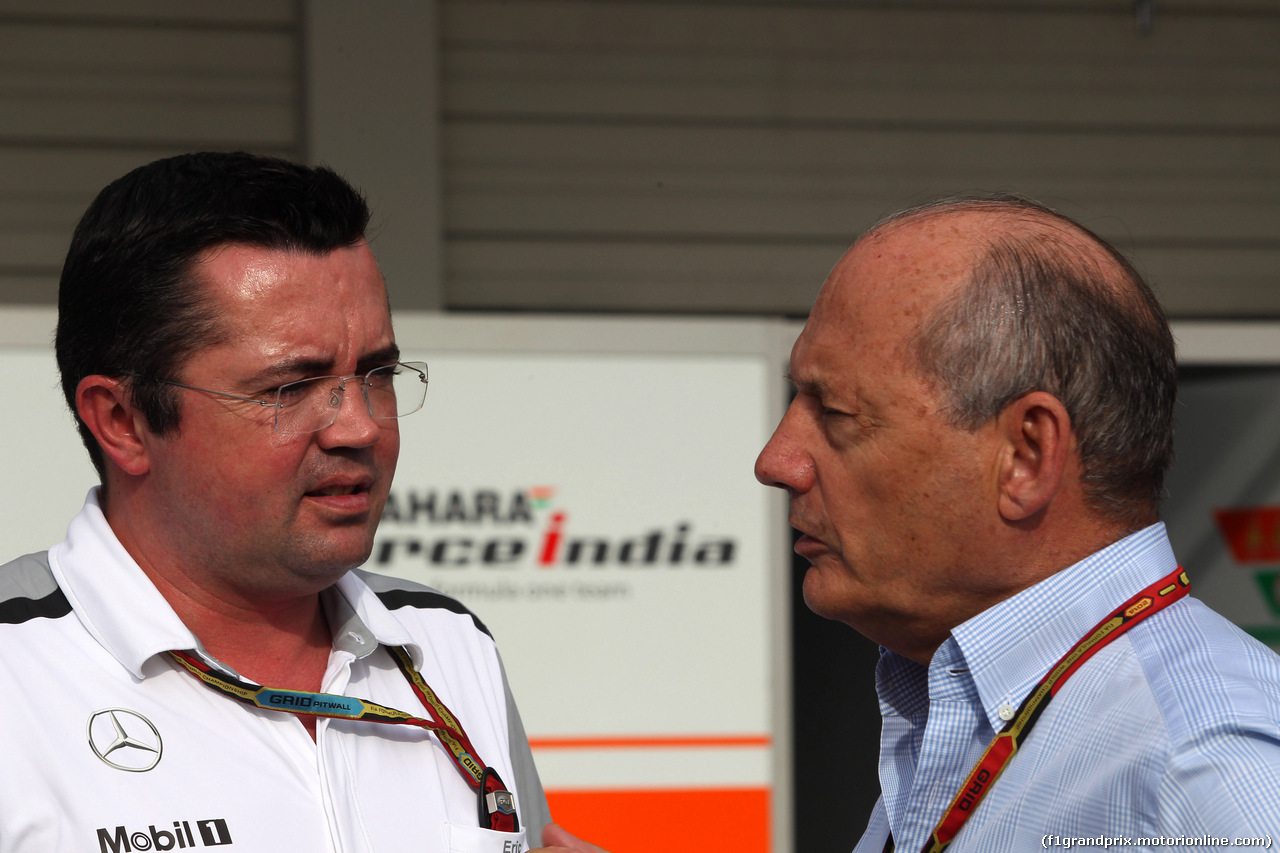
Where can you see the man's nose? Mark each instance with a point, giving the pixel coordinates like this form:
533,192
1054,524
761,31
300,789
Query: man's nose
784,463
353,424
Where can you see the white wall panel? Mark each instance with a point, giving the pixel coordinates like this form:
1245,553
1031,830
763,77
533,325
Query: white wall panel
639,672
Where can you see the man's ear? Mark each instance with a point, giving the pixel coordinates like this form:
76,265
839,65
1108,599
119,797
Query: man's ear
106,407
1038,448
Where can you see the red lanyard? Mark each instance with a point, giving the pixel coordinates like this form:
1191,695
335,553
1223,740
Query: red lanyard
496,805
1001,750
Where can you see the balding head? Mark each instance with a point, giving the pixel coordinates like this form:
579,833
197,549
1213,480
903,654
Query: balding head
1047,305
984,396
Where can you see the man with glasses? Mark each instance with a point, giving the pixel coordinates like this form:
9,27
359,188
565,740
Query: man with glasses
199,663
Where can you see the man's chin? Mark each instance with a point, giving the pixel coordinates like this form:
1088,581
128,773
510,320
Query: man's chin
327,558
817,592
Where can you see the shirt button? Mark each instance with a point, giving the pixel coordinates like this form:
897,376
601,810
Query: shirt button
1006,712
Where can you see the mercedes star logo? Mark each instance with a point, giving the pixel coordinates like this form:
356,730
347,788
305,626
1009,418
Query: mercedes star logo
124,739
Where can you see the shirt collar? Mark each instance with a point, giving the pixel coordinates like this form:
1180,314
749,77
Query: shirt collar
1011,646
127,615
901,685
1008,648
369,620
111,595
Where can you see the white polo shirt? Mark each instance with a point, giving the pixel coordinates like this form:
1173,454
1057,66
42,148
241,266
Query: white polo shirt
110,747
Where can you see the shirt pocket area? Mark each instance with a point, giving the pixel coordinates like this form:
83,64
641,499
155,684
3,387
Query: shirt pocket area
475,839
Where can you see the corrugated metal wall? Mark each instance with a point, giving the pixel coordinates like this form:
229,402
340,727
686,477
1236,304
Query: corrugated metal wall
718,156
90,90
714,156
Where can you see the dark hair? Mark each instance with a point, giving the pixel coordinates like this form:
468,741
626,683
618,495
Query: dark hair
130,303
1051,306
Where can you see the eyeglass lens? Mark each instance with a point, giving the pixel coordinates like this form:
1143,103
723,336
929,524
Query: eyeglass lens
391,391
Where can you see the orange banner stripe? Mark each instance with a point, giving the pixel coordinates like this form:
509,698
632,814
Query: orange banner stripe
662,742
674,821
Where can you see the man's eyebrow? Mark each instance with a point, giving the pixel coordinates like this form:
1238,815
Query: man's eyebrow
302,366
389,354
289,368
811,386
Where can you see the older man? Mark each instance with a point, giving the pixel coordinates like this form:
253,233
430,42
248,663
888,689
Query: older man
198,665
975,458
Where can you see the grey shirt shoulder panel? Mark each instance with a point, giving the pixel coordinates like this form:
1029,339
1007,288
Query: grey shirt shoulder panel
28,590
397,592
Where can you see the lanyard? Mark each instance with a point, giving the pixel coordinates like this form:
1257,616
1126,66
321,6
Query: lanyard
496,805
1000,752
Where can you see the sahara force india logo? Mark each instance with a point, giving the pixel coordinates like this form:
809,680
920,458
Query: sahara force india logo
492,529
212,833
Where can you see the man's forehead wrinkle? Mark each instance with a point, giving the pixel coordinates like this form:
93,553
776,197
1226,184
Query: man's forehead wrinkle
802,371
805,370
821,369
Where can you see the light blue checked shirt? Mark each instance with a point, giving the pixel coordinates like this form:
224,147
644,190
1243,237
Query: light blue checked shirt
1173,729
